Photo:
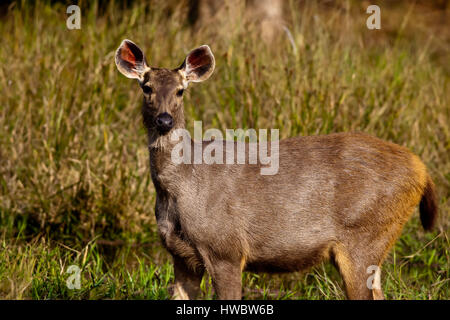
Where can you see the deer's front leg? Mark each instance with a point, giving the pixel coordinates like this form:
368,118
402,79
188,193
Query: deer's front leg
187,281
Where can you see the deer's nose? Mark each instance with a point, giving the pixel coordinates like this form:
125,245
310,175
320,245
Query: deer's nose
164,122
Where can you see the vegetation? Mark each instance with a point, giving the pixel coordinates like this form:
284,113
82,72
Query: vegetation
74,175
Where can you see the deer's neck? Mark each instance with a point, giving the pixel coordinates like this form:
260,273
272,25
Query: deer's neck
166,173
160,159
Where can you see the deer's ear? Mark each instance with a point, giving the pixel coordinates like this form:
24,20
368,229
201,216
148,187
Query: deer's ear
130,60
198,65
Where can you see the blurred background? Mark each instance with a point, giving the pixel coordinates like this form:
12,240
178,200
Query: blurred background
75,187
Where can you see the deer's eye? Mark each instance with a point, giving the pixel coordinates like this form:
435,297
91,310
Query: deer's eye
180,92
147,89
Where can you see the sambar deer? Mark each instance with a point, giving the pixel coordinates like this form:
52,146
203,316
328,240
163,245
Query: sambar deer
343,197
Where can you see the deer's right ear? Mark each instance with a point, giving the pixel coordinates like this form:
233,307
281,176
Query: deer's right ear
130,60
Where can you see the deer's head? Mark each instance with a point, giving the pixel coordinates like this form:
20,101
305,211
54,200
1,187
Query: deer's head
163,88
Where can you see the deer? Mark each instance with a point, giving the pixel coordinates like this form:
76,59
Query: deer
342,197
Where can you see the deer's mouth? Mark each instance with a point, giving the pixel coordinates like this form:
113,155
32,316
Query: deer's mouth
163,132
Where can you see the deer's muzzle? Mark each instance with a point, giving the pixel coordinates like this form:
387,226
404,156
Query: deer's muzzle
164,122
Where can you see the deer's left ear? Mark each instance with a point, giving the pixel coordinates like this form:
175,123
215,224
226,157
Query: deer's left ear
198,65
130,60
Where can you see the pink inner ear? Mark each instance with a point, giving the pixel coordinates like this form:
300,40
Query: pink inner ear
127,55
198,58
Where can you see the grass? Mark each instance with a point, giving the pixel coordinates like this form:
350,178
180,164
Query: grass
74,176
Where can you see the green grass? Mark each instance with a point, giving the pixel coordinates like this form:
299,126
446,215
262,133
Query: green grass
74,175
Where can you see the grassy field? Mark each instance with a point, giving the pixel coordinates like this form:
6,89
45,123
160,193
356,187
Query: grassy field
75,187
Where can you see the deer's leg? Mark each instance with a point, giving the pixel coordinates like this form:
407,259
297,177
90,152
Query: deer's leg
361,273
226,278
187,281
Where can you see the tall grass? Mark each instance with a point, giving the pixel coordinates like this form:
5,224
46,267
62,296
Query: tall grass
75,185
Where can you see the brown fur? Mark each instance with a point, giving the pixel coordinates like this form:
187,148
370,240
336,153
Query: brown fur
343,196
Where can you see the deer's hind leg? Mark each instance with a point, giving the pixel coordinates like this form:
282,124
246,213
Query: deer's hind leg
359,258
360,270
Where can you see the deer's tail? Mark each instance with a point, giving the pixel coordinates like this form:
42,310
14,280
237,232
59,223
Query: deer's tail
428,205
